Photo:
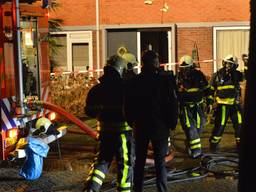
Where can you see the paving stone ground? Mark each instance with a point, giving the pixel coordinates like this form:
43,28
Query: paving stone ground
69,172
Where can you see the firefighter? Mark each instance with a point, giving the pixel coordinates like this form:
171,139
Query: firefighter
226,84
104,102
193,92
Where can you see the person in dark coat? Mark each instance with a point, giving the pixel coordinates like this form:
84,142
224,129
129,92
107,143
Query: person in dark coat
105,103
151,109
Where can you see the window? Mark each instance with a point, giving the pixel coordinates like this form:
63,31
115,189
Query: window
73,51
80,56
59,53
230,40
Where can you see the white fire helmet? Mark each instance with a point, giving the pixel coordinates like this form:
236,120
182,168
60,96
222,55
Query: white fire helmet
117,62
43,124
186,61
231,59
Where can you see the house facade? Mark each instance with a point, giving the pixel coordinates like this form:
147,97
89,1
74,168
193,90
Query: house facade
95,29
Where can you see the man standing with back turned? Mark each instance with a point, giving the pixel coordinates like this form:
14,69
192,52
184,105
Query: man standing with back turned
151,109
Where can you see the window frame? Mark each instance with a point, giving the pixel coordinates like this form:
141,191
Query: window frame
85,37
225,28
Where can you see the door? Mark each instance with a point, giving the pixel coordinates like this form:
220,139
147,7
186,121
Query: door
138,40
156,41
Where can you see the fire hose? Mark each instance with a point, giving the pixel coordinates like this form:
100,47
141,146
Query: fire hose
88,130
208,163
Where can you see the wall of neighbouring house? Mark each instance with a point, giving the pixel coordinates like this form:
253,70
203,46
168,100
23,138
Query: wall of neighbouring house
194,20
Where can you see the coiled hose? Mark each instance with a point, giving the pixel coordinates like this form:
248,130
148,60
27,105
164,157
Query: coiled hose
207,164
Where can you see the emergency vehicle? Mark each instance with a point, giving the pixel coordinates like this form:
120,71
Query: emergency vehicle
25,74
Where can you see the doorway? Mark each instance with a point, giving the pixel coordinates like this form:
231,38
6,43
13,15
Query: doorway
156,41
137,40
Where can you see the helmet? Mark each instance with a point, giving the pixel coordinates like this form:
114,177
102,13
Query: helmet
230,60
117,62
245,57
121,50
186,61
130,58
42,125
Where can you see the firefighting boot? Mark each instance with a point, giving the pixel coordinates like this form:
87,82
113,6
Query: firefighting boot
193,153
88,190
196,153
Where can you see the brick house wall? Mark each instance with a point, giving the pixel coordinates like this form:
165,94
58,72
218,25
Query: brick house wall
81,13
202,36
194,20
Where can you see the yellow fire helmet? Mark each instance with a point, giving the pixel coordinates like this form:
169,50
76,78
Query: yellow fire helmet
121,50
43,124
130,58
186,61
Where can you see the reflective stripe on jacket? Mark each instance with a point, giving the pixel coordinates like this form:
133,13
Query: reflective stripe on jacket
226,94
192,95
113,126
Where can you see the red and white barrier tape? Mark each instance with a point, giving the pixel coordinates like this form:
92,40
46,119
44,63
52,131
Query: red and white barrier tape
101,70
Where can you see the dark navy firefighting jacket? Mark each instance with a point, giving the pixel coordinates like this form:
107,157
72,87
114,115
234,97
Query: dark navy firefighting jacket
105,102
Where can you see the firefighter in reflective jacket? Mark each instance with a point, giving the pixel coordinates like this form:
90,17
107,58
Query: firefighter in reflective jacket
193,92
104,102
226,84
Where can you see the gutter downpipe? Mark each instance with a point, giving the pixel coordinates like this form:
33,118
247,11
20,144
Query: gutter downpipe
98,36
17,55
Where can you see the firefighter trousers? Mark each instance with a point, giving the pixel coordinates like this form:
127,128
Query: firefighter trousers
120,146
222,113
192,119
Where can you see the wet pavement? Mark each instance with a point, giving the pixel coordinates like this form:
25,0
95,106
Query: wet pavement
67,171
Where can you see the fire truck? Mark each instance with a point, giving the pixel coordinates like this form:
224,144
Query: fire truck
25,75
